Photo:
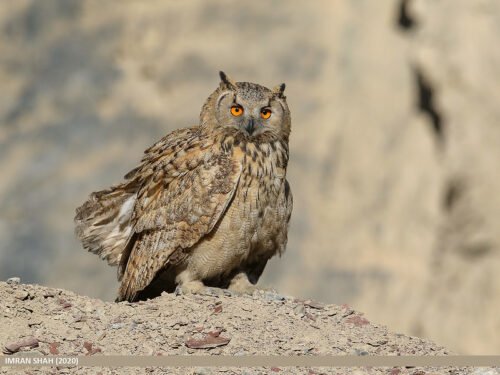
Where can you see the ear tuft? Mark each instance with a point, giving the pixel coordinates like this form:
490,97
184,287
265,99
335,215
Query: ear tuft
279,90
226,82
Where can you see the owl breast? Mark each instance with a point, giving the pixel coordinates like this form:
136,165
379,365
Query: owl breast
254,225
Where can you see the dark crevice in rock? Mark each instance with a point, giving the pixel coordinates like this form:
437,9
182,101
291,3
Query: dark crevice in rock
425,102
405,20
453,193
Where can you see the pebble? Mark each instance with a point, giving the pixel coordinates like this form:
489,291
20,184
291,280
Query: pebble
35,322
21,295
357,351
273,297
14,280
299,310
314,304
13,347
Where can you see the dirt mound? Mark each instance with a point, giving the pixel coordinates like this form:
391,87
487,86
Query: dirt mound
48,321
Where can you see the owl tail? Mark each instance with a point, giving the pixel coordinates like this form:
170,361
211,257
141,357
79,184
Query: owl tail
103,222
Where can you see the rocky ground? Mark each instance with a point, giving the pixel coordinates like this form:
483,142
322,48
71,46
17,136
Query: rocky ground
45,321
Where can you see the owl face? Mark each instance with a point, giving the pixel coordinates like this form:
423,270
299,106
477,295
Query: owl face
251,109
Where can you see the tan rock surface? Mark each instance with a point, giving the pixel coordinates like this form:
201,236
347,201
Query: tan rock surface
456,53
63,323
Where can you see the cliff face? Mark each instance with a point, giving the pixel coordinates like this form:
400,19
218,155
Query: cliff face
451,48
42,321
393,150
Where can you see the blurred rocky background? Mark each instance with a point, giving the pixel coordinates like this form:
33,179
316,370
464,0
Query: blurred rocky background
395,145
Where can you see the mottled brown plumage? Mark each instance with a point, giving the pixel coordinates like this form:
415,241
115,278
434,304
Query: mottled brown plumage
208,205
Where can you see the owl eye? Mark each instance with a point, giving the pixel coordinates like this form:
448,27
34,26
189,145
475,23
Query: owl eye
236,110
265,113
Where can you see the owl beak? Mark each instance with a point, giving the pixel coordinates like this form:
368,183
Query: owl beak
250,126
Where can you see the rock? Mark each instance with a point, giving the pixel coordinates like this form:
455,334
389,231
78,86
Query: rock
13,347
91,350
207,342
53,348
314,304
357,351
357,320
190,327
21,295
463,77
14,280
299,310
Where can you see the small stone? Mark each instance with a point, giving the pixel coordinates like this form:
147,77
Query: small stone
21,295
64,304
34,322
78,318
311,317
377,343
357,320
207,342
91,350
14,347
14,280
183,321
272,296
314,304
53,348
299,310
49,294
357,351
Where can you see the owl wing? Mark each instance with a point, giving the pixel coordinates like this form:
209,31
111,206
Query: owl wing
188,182
103,221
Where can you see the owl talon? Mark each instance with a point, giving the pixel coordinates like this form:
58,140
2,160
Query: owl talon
192,287
241,285
199,288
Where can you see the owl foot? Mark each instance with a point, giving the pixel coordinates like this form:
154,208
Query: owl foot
197,287
241,285
191,287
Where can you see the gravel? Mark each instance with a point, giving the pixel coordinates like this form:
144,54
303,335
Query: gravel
52,321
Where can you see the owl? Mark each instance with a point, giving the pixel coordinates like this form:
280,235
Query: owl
208,205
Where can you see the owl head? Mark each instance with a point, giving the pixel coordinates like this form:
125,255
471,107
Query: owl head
249,109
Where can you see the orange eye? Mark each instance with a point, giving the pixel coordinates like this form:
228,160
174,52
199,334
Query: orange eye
265,113
236,110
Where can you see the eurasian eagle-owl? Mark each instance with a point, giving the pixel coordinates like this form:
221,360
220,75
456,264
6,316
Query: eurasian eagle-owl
208,205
